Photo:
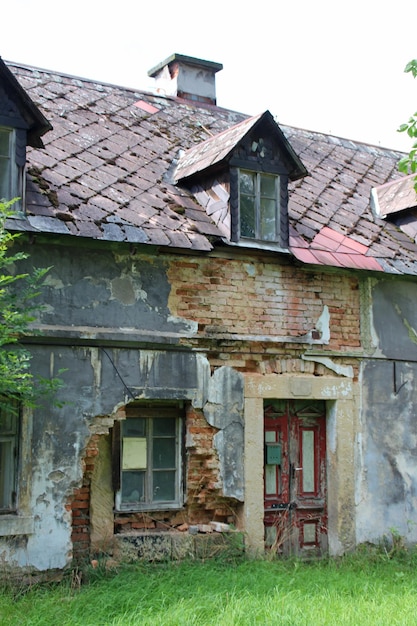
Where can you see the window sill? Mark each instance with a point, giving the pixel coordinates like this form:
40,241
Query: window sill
269,246
15,525
167,506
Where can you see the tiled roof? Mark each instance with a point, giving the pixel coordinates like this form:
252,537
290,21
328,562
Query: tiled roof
104,169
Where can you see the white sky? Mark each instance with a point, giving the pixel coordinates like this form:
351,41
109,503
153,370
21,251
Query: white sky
317,64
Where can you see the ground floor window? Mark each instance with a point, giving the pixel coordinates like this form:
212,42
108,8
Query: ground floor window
9,440
150,458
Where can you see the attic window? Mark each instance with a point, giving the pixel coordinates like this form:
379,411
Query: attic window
259,205
8,174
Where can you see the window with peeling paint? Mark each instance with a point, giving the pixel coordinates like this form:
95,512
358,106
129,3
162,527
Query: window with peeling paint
259,206
150,461
9,431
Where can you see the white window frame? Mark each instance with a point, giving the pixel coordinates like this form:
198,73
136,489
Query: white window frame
257,202
9,457
149,503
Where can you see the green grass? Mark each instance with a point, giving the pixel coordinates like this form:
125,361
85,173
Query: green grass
356,591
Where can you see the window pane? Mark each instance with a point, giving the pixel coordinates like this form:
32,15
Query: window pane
164,485
270,535
268,186
247,217
134,453
267,222
4,143
247,183
5,474
133,487
134,427
309,532
270,480
308,460
164,426
163,453
5,179
5,165
8,422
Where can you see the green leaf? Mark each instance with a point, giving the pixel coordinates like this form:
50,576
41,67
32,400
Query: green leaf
18,308
403,165
411,67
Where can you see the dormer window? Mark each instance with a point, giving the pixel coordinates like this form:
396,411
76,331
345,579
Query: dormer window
259,204
8,173
21,124
240,177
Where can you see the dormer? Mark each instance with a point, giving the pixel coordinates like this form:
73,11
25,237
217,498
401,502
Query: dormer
21,125
396,202
241,178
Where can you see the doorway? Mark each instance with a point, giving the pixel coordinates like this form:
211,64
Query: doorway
295,483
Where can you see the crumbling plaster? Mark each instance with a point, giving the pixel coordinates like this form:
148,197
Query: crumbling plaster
95,384
106,293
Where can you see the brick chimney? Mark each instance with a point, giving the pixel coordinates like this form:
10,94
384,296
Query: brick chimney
186,77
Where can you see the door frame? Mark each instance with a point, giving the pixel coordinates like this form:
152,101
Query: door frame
340,394
290,510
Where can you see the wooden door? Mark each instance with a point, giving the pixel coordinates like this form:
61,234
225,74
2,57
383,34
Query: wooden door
295,476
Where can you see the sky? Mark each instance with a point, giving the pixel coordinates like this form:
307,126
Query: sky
321,65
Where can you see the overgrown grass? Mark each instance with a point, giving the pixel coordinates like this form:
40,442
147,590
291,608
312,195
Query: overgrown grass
365,589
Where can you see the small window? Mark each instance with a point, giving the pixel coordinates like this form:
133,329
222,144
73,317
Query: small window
8,169
150,460
259,206
9,432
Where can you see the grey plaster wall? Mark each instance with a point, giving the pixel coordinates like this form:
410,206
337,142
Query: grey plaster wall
387,446
106,288
224,410
386,490
394,315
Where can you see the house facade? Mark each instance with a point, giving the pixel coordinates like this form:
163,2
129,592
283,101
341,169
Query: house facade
232,303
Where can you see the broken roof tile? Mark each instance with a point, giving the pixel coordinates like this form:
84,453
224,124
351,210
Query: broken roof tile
146,106
49,224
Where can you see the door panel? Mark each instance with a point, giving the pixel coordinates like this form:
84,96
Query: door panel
295,476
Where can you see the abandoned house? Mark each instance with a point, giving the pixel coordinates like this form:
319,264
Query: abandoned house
233,303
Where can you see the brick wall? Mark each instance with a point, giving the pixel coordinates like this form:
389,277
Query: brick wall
204,501
79,504
263,298
227,297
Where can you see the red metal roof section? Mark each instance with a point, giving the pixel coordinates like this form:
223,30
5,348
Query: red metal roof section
334,249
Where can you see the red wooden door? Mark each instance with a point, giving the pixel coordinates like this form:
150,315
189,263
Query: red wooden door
295,476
